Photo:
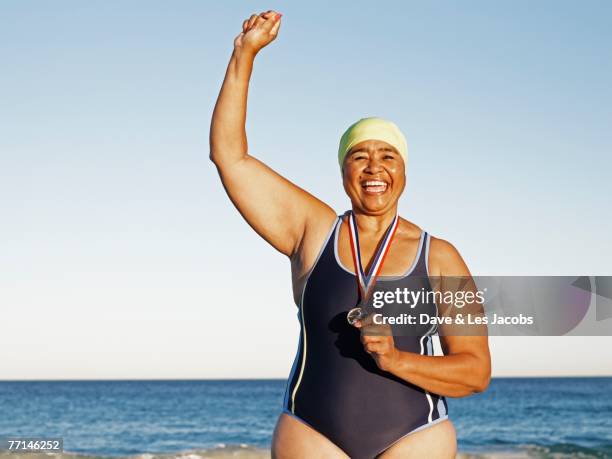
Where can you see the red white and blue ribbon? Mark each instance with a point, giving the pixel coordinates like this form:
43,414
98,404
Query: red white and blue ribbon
367,281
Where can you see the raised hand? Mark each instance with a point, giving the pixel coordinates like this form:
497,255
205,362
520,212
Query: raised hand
258,31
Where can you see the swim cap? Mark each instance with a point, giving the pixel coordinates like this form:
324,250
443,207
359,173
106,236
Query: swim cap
372,128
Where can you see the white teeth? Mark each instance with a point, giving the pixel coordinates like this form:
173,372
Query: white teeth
374,186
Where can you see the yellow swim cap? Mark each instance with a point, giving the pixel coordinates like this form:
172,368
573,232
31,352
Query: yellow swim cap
372,128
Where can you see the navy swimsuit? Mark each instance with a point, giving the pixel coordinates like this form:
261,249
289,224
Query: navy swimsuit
335,387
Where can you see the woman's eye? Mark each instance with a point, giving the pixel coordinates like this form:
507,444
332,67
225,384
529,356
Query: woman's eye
389,157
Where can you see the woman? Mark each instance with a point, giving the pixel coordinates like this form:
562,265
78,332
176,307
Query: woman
350,394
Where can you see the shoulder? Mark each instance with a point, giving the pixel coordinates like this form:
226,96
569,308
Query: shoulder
408,230
317,230
445,259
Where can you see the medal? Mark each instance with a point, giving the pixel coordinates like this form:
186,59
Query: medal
366,281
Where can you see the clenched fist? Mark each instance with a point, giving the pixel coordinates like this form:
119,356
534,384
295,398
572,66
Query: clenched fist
258,31
378,341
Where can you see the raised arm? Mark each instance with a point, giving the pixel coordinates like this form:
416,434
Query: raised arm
280,212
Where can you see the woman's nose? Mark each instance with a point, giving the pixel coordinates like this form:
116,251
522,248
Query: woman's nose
373,166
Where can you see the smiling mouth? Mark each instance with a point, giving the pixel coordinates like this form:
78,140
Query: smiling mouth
374,186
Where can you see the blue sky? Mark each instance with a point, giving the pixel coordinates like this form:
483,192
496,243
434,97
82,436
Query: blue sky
123,257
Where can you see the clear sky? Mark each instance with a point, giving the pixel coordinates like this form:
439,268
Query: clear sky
121,256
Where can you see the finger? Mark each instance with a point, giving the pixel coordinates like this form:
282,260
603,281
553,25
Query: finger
382,330
270,14
368,320
252,20
377,330
370,339
259,22
244,25
369,330
276,26
271,22
374,348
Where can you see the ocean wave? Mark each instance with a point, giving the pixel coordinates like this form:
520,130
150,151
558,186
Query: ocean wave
533,451
569,451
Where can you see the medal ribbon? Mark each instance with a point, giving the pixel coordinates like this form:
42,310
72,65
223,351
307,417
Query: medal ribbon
365,282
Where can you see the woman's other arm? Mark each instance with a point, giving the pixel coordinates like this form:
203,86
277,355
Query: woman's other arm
466,366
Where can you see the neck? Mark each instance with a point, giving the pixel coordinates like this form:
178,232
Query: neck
374,224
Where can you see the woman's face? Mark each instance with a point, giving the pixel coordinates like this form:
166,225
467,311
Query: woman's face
373,176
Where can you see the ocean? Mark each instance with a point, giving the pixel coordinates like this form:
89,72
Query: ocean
192,419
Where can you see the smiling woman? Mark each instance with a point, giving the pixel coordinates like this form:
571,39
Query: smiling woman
349,393
381,147
387,178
